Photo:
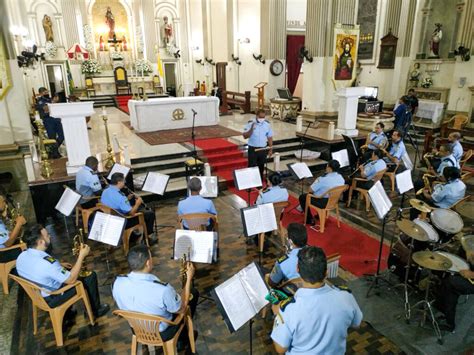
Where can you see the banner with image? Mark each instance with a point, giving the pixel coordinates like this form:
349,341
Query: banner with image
346,41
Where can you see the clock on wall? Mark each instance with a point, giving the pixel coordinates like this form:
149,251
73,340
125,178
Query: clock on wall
276,67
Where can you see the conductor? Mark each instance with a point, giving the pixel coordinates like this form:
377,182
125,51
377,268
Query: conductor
259,133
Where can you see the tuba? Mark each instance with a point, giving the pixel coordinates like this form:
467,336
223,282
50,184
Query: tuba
77,241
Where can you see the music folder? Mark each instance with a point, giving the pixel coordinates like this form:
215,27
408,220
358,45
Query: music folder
155,183
198,246
247,178
68,201
258,219
107,229
210,186
380,200
404,181
241,297
118,168
300,170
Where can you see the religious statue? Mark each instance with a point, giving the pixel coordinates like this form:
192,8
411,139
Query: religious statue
345,63
101,44
48,28
167,31
415,75
435,40
110,21
124,43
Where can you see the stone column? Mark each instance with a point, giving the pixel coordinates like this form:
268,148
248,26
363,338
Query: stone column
425,11
273,29
471,108
457,24
59,37
466,25
316,22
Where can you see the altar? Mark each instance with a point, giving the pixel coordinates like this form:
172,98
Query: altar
431,110
173,113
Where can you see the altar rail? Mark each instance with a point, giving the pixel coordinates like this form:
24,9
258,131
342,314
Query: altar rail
233,99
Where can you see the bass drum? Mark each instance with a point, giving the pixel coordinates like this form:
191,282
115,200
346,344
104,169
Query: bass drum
398,260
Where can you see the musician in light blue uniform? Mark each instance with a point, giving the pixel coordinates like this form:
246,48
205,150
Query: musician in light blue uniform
446,195
260,135
141,291
9,238
196,203
88,183
285,267
396,151
447,159
454,139
320,186
273,193
317,318
377,140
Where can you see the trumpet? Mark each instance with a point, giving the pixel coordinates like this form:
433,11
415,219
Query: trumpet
427,183
77,241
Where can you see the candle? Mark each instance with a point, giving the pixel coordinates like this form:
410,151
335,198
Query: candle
207,169
104,111
276,162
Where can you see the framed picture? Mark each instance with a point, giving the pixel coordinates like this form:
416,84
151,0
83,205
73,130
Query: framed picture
5,80
388,51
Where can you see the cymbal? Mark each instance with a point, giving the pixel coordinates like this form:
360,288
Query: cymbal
466,209
467,242
412,230
420,205
432,260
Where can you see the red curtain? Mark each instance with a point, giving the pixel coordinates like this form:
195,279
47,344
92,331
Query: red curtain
293,62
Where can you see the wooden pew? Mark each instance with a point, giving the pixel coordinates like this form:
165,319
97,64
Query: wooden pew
233,99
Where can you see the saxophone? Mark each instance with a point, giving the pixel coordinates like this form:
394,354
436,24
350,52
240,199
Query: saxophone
427,183
77,241
183,271
427,157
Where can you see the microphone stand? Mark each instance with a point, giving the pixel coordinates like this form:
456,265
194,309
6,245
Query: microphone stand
302,145
193,137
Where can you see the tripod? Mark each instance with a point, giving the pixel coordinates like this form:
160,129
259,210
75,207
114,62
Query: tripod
412,141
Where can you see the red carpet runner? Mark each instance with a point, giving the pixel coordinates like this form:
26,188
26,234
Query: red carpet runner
354,246
122,102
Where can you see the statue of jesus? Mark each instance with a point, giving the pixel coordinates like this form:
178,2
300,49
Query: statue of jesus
110,21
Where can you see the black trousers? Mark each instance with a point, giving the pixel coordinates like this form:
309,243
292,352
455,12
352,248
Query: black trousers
9,255
169,332
318,202
91,287
89,204
452,287
257,159
149,216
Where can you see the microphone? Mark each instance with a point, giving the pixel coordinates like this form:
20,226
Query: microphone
194,111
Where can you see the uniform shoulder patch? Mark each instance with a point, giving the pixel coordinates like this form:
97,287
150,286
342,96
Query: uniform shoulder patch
160,282
344,288
250,121
267,121
285,303
50,259
282,259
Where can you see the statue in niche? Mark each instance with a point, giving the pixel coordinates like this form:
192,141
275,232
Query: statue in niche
415,75
48,28
345,63
110,21
436,37
167,31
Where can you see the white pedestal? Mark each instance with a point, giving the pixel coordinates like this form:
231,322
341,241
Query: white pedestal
347,116
73,118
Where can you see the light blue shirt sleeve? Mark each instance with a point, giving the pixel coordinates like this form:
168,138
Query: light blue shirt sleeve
457,151
372,168
171,300
397,150
57,272
439,193
446,195
248,125
270,131
276,275
282,334
211,208
3,234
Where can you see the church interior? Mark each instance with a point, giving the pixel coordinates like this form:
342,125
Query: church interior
236,176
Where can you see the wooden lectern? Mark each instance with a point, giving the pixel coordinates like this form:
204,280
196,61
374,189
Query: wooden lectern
260,94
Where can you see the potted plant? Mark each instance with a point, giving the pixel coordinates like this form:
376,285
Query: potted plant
90,67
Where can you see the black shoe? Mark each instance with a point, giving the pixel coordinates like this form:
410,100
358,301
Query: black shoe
103,309
184,344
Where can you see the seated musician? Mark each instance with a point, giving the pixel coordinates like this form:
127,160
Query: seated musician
54,130
321,185
196,203
141,291
273,193
370,169
37,266
396,151
114,198
317,318
88,183
7,238
285,267
377,140
453,286
454,139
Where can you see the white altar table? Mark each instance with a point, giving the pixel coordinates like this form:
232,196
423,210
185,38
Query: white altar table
431,110
173,113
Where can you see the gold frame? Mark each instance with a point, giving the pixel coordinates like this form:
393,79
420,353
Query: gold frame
5,77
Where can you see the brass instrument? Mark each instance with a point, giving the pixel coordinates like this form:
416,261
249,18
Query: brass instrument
77,241
427,157
45,166
427,183
110,160
183,271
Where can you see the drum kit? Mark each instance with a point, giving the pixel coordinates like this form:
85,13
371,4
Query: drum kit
423,247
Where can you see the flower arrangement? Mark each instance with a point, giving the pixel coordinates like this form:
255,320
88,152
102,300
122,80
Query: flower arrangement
90,66
88,37
143,66
51,49
116,56
427,82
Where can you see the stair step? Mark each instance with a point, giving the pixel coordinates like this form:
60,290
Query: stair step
211,158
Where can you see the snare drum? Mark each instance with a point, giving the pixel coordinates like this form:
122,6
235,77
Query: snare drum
447,221
458,262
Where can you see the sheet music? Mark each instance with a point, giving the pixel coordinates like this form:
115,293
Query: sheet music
255,286
404,181
210,186
198,246
301,170
155,183
107,228
260,219
68,201
407,161
235,301
342,156
118,168
380,200
248,178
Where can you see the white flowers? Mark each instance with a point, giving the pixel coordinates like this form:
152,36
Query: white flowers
90,66
143,65
426,82
116,56
51,49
